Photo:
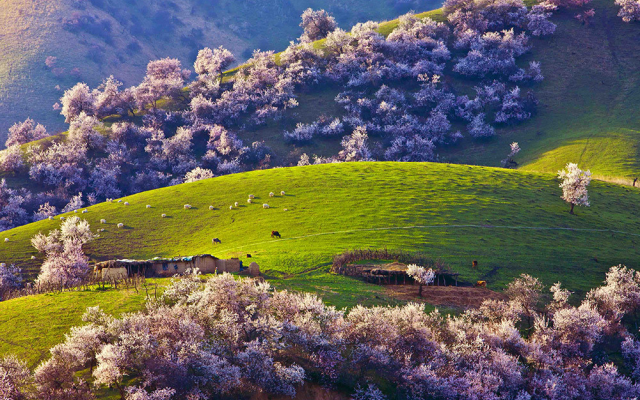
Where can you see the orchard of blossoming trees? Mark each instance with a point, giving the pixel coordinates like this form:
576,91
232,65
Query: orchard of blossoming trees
227,337
396,92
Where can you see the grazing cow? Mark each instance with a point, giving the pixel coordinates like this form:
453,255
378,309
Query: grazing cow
216,241
481,284
275,234
248,255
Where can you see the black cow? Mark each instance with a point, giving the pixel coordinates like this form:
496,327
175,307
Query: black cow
216,241
275,234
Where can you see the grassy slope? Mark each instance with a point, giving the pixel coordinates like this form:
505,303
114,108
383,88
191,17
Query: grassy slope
337,202
31,30
588,104
356,196
588,101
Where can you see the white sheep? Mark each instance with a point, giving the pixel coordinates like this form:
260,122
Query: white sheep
119,201
271,194
126,203
251,196
85,211
249,201
62,218
164,215
6,239
102,230
51,218
236,204
109,200
120,225
211,208
187,206
103,221
75,211
148,205
286,209
282,193
265,205
230,207
33,257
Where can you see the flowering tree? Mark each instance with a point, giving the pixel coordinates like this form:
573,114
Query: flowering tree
25,132
354,146
629,10
317,25
422,275
65,264
574,185
198,174
515,149
165,78
76,100
10,279
11,159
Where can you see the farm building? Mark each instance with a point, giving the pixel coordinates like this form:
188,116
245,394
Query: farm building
206,263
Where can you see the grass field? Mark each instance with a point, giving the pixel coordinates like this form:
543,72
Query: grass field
336,207
507,220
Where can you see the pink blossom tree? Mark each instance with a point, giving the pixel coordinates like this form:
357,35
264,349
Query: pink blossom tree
317,25
25,132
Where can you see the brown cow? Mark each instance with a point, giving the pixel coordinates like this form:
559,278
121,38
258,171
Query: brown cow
481,284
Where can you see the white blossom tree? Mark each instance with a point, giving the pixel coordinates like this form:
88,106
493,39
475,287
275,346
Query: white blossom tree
574,185
422,275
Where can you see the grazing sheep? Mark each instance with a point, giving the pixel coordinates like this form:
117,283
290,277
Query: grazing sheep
148,205
120,225
33,257
51,218
236,204
119,201
252,196
85,211
187,206
102,230
286,209
249,201
265,205
216,241
109,200
62,218
75,211
275,234
211,207
230,207
103,221
271,194
164,215
282,193
126,203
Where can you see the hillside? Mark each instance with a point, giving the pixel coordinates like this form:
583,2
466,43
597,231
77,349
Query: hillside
510,221
587,104
93,39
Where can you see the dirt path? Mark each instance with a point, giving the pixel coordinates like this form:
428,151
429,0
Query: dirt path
452,296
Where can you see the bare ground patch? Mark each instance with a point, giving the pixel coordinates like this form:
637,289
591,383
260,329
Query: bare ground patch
452,296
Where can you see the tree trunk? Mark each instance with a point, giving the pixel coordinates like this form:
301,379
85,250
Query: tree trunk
420,291
571,211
